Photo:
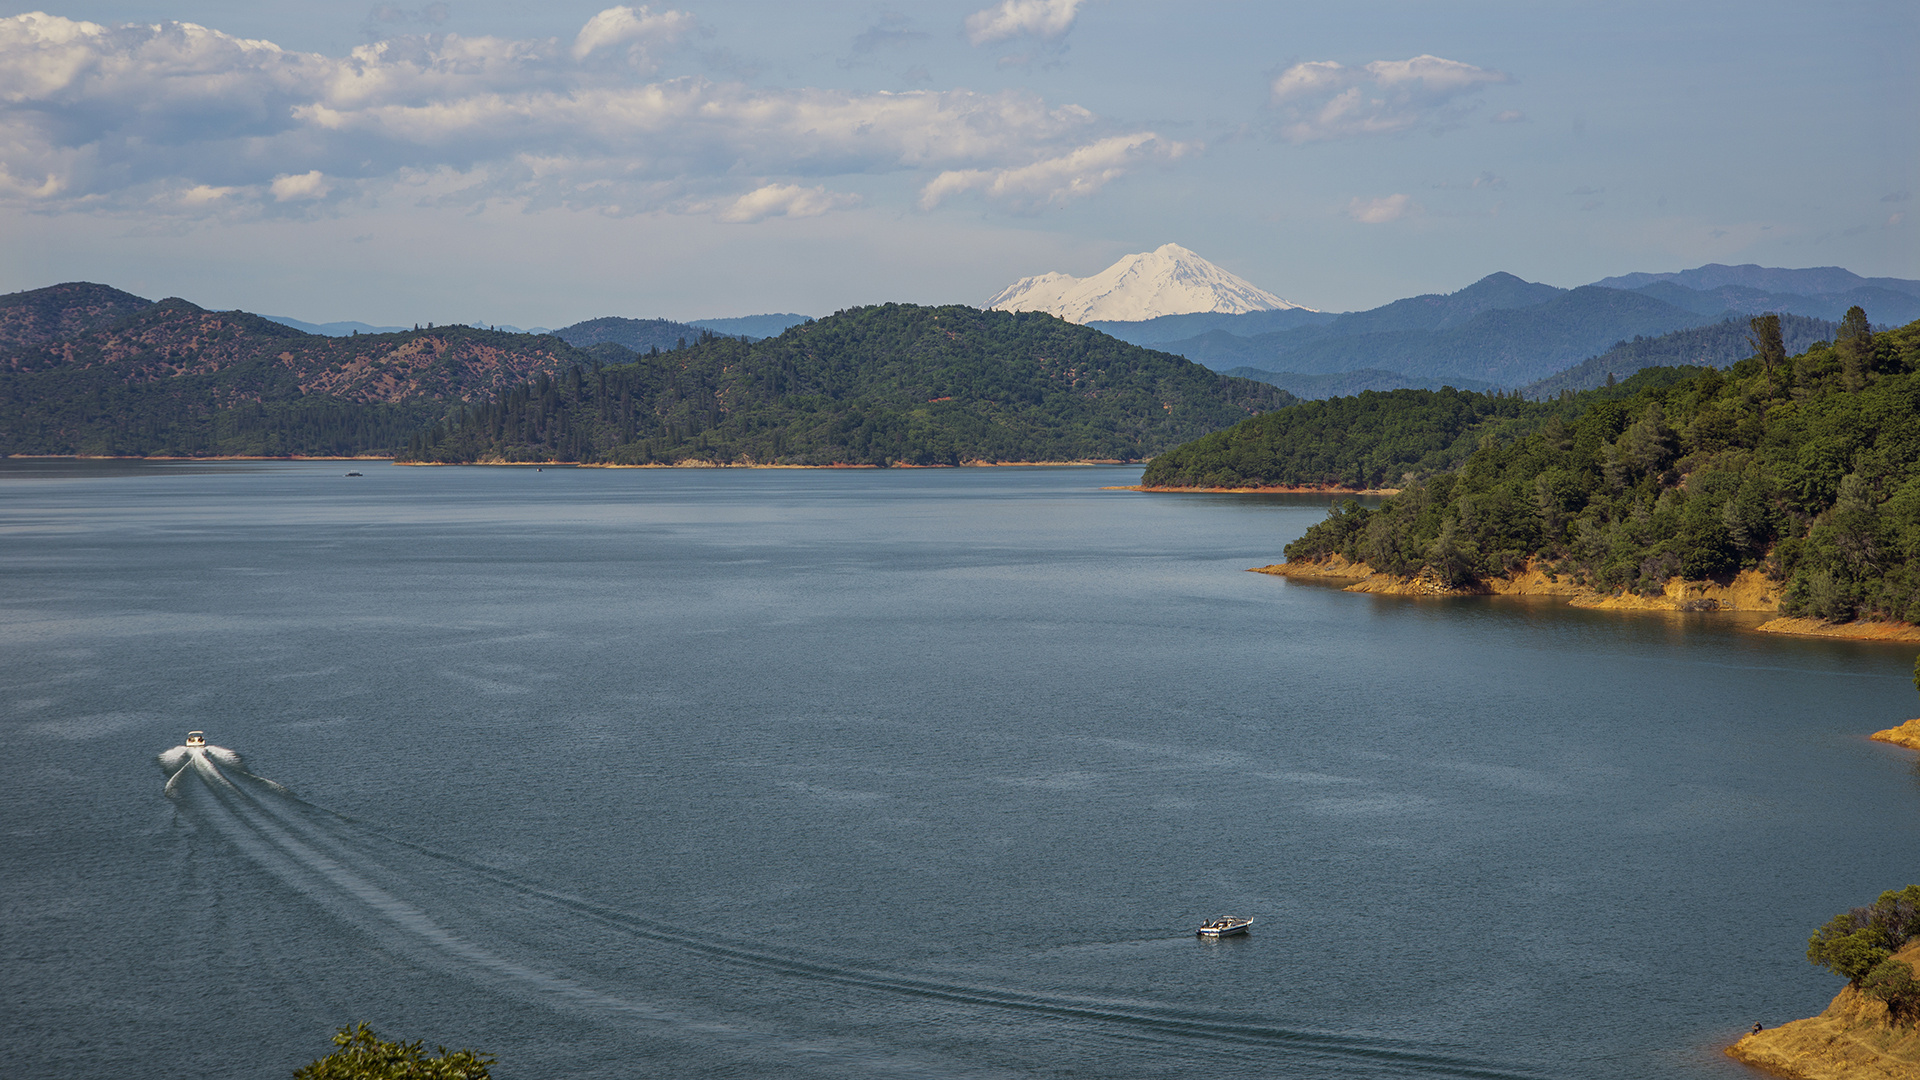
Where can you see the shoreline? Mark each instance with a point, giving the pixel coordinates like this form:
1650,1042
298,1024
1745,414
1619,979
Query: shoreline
1852,1039
695,464
688,464
1266,489
225,457
1748,591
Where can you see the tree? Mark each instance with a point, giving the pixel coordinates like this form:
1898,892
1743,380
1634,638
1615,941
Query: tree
362,1055
1892,981
1854,342
1854,943
1768,345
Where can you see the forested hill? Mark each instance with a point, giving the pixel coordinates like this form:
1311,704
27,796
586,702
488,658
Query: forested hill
43,316
171,378
1717,345
1809,466
889,384
1373,439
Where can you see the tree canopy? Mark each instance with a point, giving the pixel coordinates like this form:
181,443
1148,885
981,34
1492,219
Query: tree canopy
893,384
363,1055
1794,469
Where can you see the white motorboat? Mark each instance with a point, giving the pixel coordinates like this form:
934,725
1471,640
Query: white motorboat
196,738
1226,926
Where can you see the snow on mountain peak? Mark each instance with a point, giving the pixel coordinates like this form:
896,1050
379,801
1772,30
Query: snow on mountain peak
1169,280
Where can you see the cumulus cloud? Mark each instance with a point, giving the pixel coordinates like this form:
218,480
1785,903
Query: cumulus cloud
636,28
1379,211
1048,20
1323,99
785,200
1055,181
308,185
143,116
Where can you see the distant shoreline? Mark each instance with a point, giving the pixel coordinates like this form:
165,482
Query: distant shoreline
1264,489
571,464
159,457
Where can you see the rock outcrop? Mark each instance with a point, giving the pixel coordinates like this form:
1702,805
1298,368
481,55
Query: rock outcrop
1852,1040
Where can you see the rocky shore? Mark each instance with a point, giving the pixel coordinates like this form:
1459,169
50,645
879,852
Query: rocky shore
1750,590
1852,1040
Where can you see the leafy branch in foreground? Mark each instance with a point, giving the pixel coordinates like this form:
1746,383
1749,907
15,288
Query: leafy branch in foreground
362,1055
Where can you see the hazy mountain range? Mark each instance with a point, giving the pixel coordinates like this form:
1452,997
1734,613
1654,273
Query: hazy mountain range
1504,331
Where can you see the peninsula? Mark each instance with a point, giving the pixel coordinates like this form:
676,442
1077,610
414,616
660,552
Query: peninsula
1788,485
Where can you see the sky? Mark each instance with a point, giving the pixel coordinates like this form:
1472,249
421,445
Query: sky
488,161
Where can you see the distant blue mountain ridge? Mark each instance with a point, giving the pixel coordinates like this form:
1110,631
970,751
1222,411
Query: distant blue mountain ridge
1505,331
1500,331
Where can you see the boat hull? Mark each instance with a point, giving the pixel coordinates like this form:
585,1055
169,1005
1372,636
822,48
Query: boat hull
1220,928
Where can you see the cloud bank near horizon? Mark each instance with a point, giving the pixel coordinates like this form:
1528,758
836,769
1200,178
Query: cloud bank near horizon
180,119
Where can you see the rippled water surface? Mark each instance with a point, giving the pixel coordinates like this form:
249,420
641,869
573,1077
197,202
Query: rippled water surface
919,773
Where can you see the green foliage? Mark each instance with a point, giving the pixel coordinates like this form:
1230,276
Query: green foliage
1853,944
171,379
893,384
1372,439
362,1055
1892,982
1718,345
1791,469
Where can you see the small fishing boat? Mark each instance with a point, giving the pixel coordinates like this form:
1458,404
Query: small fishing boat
353,474
1225,926
196,738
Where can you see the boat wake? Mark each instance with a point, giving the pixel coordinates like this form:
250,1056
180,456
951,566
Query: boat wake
771,1011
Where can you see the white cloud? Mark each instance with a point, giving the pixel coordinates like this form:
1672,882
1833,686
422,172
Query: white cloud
133,116
308,185
1048,20
1509,116
1055,181
637,29
785,200
1379,211
1323,99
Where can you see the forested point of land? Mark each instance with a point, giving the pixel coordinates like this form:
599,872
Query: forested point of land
1807,467
1374,439
891,384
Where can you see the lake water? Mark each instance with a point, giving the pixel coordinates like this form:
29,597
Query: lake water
930,773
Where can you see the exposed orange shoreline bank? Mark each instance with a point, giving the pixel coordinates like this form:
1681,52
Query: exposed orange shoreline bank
1270,489
690,464
1854,1039
161,457
758,465
1750,590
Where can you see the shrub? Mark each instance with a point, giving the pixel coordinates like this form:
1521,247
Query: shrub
362,1055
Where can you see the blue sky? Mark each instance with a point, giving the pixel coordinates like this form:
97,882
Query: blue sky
540,164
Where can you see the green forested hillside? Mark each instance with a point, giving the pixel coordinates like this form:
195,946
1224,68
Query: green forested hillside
1373,439
174,379
1809,465
42,316
890,384
1717,345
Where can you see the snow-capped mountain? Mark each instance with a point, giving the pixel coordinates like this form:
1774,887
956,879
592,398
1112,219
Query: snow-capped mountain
1170,280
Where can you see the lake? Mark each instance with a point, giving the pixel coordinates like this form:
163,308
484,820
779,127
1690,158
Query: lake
904,773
